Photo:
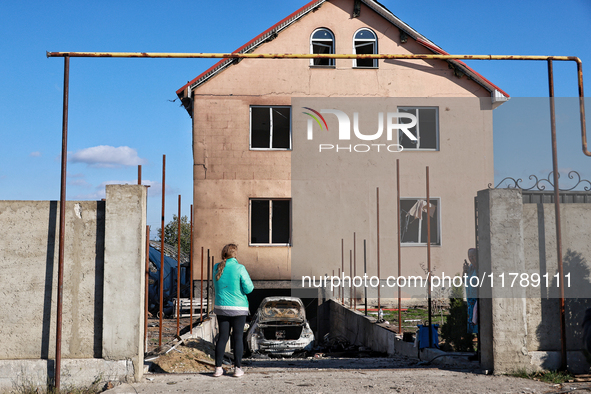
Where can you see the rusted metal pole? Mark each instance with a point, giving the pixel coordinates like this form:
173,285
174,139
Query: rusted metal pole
557,216
201,297
429,259
354,269
178,272
139,174
331,282
351,282
378,246
207,310
365,272
582,106
162,251
62,231
342,287
236,55
399,240
191,272
212,288
147,281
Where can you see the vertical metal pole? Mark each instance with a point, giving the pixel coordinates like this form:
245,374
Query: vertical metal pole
147,274
429,259
212,288
331,282
162,251
342,270
582,108
365,272
378,227
62,231
178,272
139,174
340,288
191,273
351,274
201,297
207,310
399,240
557,215
354,268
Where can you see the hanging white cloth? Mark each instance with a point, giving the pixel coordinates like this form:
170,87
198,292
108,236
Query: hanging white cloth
420,206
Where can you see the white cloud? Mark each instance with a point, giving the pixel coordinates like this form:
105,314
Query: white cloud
35,154
107,156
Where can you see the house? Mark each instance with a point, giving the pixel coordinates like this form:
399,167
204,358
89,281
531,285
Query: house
245,144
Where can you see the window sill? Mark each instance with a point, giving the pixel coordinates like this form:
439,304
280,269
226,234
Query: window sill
269,245
272,149
311,66
420,150
417,244
365,68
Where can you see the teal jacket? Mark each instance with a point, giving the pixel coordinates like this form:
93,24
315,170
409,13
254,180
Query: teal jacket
231,289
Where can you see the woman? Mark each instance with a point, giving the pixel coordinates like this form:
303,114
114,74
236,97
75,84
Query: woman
231,284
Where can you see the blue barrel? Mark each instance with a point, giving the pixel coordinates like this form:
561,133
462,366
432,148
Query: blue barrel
424,336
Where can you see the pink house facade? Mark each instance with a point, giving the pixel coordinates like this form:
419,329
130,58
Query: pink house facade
243,131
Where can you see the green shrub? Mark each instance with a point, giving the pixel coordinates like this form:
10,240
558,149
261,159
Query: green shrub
455,329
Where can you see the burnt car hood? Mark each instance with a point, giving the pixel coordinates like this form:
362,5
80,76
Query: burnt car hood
281,309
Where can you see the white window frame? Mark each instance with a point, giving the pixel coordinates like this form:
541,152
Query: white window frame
271,107
437,212
331,62
374,41
250,243
418,128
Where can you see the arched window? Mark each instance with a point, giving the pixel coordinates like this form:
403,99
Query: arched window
322,41
365,43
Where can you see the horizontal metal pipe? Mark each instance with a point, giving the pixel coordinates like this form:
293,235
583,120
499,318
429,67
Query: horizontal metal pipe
306,56
346,56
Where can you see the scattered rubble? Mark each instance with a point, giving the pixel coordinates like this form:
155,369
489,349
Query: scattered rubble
185,356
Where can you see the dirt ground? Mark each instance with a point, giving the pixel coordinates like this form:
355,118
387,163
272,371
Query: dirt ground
368,375
187,366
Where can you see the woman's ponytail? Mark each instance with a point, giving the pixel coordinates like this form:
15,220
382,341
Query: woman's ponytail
228,252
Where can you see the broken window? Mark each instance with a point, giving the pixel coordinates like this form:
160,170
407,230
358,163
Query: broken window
270,222
426,131
413,221
270,127
322,42
365,43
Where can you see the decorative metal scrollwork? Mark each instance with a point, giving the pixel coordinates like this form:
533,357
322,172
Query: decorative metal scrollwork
539,184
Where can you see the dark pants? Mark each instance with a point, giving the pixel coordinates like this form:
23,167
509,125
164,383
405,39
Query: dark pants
237,325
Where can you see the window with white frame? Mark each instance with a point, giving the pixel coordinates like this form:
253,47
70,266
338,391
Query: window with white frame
413,221
426,130
365,42
322,42
270,221
270,127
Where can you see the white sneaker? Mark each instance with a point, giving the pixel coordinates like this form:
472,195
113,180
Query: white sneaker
238,372
219,371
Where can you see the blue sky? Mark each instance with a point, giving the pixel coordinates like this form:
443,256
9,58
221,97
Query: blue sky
122,111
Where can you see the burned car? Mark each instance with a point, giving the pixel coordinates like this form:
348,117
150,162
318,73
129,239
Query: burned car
279,328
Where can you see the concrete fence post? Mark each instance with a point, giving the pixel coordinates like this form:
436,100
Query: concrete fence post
503,320
124,281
